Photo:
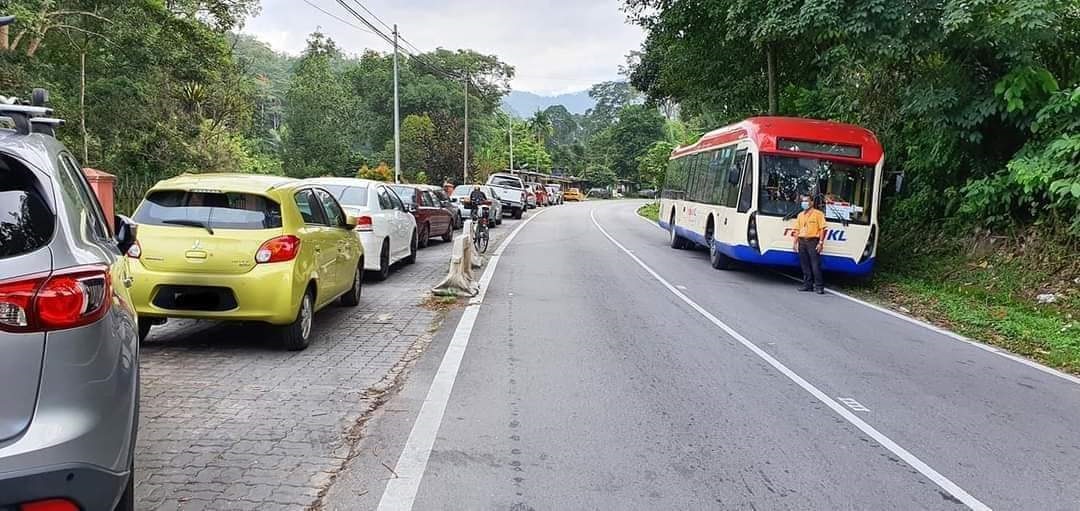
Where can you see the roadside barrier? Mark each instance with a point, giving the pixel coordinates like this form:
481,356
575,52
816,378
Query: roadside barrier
461,280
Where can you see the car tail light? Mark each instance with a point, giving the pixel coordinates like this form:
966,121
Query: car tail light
134,251
363,223
49,505
276,250
64,299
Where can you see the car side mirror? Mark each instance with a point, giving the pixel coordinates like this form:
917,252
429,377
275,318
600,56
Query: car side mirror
125,232
350,222
411,208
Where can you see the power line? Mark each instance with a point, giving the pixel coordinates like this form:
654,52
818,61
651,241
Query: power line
366,23
332,15
373,15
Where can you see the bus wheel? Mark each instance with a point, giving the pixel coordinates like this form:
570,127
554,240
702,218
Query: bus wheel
718,259
677,242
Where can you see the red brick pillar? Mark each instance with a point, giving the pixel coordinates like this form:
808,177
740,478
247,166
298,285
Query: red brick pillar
103,184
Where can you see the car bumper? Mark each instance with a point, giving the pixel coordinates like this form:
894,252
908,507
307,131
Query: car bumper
268,293
80,440
88,487
510,206
372,248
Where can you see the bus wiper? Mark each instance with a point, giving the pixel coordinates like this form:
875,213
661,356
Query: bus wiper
843,220
190,223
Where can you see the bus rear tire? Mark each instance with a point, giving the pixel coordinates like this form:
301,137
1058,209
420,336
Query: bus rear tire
718,259
677,242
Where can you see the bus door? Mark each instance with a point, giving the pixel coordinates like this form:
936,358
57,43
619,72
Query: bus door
732,225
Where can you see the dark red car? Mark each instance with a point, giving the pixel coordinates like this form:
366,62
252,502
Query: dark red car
432,221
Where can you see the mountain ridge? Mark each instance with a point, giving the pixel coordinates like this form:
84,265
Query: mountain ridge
523,103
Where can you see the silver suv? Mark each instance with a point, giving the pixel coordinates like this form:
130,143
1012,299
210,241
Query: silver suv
69,344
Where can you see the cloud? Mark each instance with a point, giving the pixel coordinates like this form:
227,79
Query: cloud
555,45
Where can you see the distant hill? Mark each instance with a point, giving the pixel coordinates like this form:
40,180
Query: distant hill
524,104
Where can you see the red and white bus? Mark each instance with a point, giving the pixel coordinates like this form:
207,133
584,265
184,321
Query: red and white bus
736,192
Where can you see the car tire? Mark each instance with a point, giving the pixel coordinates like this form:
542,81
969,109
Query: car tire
425,236
411,258
449,236
498,219
384,262
296,336
517,213
718,259
351,298
144,328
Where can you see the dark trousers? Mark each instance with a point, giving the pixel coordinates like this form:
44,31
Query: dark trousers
810,260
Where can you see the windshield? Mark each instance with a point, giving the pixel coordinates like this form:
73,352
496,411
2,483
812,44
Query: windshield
406,194
349,195
215,210
510,182
848,189
463,190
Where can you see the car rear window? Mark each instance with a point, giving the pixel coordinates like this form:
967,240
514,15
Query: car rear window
215,209
506,181
404,193
349,195
26,221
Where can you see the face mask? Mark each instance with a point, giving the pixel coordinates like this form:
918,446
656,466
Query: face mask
805,205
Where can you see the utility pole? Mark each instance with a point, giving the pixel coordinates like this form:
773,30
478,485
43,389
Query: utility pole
397,114
510,118
465,168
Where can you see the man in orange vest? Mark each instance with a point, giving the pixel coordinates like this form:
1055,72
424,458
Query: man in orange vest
809,243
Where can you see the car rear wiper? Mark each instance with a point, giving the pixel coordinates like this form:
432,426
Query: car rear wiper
190,223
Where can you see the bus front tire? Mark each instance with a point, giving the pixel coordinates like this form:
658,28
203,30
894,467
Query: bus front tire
677,242
718,259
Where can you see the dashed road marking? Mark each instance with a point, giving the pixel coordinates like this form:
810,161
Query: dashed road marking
913,461
853,404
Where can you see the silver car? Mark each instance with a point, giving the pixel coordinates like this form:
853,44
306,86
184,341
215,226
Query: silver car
460,198
69,344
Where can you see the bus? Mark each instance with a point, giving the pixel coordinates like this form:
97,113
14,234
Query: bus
736,192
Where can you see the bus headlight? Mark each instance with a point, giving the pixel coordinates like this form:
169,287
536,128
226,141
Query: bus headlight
870,242
751,232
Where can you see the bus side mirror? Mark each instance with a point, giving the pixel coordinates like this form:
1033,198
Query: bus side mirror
734,176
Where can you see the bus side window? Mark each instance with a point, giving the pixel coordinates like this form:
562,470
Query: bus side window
746,197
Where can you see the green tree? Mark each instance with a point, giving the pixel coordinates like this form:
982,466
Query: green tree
317,143
638,127
652,165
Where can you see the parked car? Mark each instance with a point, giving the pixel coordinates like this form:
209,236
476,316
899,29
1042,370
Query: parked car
599,193
511,192
461,200
647,193
573,194
444,202
69,342
432,221
540,193
243,247
386,228
555,194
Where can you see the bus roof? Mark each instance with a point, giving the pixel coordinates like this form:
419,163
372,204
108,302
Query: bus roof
766,131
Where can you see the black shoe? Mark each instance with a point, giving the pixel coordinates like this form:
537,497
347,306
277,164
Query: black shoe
805,289
819,291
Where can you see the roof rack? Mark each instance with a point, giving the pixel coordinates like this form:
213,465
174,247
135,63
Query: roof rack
31,118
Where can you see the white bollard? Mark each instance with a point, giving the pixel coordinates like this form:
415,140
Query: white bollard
457,282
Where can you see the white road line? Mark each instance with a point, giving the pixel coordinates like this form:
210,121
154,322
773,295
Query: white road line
909,458
953,335
400,492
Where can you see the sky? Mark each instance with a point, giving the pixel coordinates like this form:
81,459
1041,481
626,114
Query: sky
555,46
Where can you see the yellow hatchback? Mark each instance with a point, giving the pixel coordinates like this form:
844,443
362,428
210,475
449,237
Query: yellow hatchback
243,247
573,194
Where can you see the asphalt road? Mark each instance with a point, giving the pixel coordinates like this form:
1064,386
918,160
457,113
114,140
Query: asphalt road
592,382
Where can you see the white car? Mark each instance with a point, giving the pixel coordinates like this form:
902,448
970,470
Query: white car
386,228
460,198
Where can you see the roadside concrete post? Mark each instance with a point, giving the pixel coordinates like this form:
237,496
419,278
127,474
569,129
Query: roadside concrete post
457,282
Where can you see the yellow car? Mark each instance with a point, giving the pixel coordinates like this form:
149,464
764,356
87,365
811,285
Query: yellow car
573,194
244,248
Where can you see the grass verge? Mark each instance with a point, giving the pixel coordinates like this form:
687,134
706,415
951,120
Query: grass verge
650,211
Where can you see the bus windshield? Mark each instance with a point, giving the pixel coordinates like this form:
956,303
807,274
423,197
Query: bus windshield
848,188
